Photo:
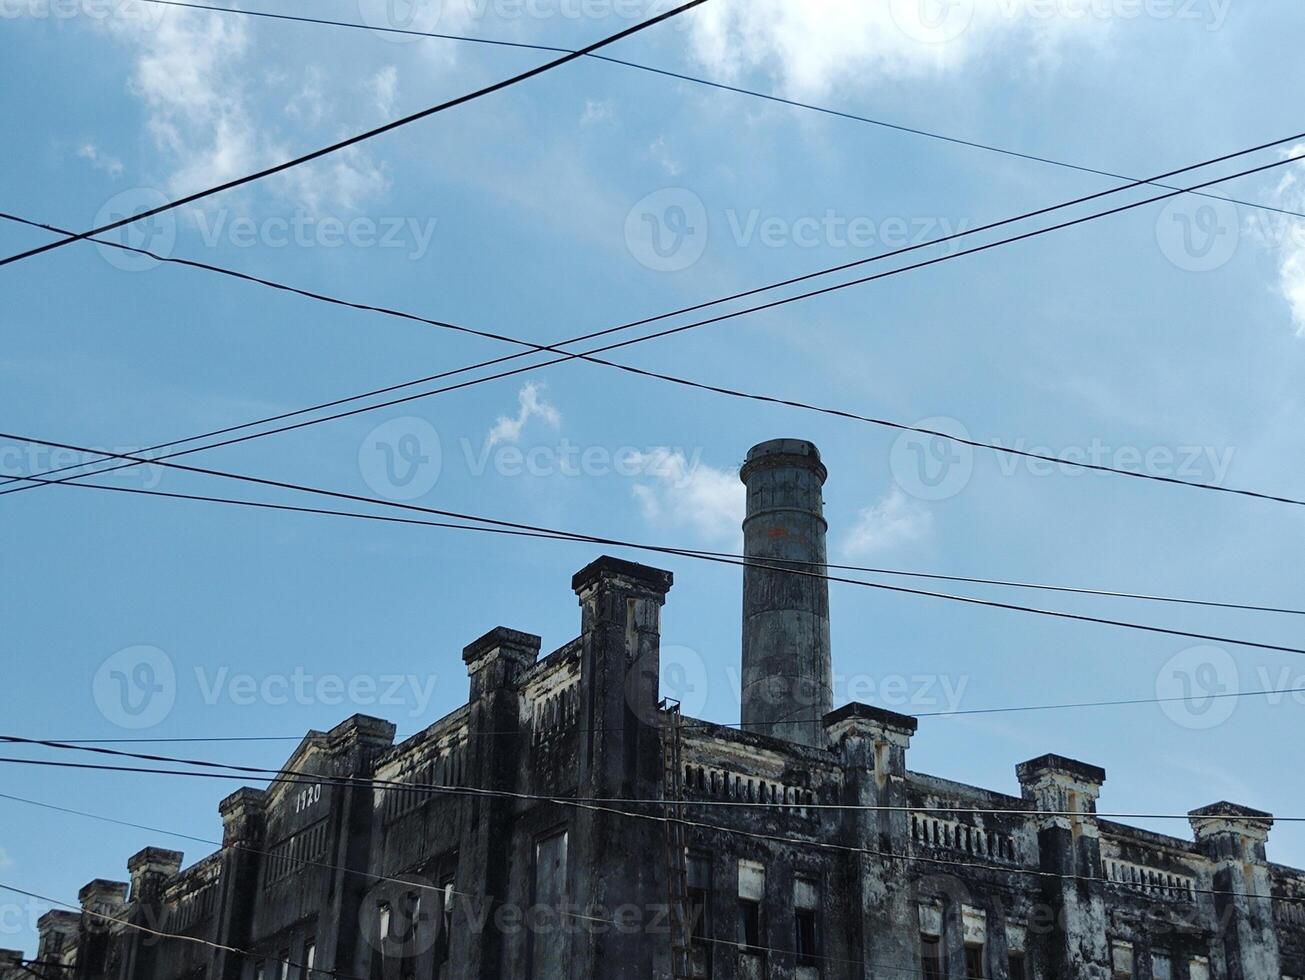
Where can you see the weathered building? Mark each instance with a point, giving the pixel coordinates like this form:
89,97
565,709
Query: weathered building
559,823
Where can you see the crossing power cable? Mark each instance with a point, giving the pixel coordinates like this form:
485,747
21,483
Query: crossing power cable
556,347
735,725
696,80
358,137
224,770
874,570
769,399
602,806
544,532
408,882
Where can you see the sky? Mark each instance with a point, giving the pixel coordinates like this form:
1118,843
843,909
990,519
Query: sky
1168,339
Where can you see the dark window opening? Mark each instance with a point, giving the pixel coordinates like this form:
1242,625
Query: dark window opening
750,924
808,951
1016,970
931,959
973,962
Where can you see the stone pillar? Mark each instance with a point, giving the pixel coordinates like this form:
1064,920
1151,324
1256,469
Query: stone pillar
871,744
149,870
1233,838
617,862
102,901
352,748
787,688
11,965
58,929
243,840
1067,939
495,665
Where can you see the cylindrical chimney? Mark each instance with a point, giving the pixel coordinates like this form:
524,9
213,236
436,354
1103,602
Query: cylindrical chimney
786,665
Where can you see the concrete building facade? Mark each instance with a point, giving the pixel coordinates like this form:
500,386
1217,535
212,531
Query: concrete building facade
565,822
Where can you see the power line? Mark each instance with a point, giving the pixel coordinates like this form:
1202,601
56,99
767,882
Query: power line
738,725
738,90
159,934
296,776
1006,583
789,841
315,971
360,137
768,399
530,530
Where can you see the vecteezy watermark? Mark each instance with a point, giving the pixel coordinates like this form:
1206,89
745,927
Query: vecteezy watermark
1198,234
304,229
834,230
139,687
1197,687
19,459
412,692
136,687
929,466
934,461
401,459
676,466
668,230
943,21
125,247
1206,464
135,12
401,21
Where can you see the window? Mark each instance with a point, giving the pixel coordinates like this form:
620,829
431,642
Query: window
806,906
1121,960
381,942
548,946
284,970
973,961
1161,967
752,891
931,959
808,953
260,970
698,914
1017,970
310,959
749,923
443,940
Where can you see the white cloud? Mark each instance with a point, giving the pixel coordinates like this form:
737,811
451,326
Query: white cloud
662,154
813,46
689,493
99,160
894,521
596,111
385,90
214,116
309,103
529,405
188,74
1285,234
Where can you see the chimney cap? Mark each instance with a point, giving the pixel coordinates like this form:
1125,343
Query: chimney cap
784,452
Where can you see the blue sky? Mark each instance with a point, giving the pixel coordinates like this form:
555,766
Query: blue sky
1167,339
